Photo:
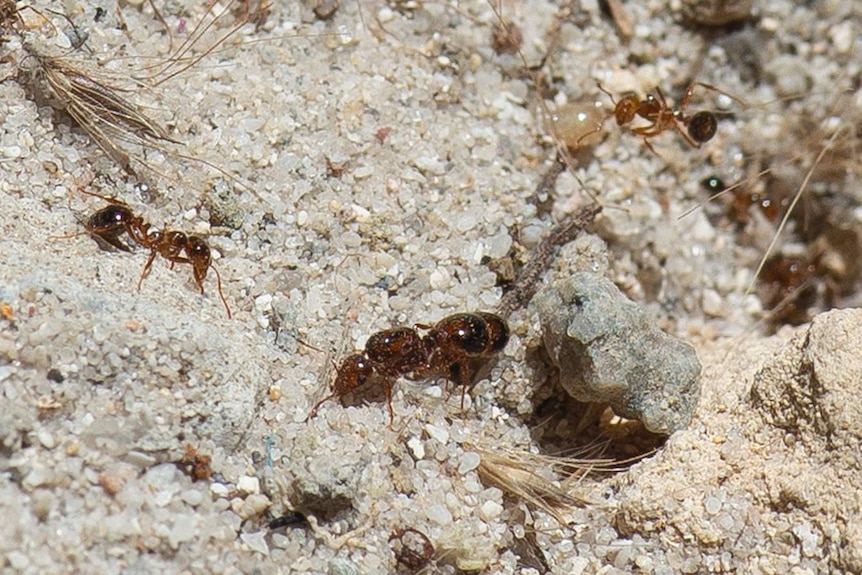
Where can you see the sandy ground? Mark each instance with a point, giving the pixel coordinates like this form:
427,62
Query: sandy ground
377,171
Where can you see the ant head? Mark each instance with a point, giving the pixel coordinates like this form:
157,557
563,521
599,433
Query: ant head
626,109
199,255
354,372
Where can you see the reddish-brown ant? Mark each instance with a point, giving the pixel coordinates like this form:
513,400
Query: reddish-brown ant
696,129
445,351
115,219
743,200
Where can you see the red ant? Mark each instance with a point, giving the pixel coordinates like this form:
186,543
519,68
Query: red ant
699,128
444,351
115,219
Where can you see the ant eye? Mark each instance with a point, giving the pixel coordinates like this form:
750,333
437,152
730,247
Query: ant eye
363,370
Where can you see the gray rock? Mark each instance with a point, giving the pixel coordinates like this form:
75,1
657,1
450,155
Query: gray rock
326,489
609,350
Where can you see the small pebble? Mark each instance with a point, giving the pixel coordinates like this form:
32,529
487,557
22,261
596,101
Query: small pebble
712,505
439,514
438,433
578,565
192,496
789,75
248,484
341,567
713,304
12,152
256,542
185,528
254,505
842,36
219,489
416,447
18,561
609,350
46,439
280,541
39,475
490,510
469,461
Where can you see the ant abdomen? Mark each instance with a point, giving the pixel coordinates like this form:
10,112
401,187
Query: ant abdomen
467,331
702,127
113,216
475,334
498,332
109,223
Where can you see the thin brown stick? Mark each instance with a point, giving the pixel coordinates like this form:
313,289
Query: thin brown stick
526,284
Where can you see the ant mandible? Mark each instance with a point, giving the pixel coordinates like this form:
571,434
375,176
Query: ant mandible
444,351
696,129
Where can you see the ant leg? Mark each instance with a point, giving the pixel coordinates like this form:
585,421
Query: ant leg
688,94
685,136
459,377
599,127
650,146
147,267
313,412
220,293
387,385
739,101
109,199
463,397
611,96
177,260
662,100
99,234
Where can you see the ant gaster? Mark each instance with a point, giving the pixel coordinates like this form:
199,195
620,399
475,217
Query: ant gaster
445,351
